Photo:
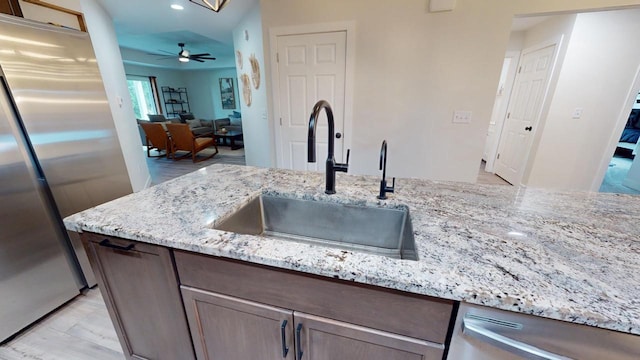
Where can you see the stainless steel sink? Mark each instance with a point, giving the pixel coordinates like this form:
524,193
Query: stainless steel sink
381,231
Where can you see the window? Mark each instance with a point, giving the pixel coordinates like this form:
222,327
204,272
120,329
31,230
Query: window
143,96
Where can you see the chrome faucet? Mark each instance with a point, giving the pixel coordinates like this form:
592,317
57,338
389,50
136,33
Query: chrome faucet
331,165
384,189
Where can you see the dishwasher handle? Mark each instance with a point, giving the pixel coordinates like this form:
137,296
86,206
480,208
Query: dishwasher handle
473,327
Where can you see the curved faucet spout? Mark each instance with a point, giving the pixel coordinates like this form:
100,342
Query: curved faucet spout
331,165
383,159
384,189
313,124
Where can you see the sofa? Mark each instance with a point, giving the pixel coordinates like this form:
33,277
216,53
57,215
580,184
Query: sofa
231,123
199,127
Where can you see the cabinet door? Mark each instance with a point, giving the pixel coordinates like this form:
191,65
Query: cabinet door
140,288
228,328
324,339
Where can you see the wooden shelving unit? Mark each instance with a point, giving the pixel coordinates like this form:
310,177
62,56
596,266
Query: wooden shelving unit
176,101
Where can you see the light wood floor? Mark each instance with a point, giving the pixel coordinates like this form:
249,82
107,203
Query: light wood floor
80,330
163,169
489,178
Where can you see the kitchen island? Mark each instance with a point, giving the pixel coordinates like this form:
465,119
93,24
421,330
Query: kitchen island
561,255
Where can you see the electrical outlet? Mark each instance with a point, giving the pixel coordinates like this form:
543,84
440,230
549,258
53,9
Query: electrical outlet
462,117
577,113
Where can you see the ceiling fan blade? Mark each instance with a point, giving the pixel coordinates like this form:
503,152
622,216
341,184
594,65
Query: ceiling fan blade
203,54
206,58
196,59
168,52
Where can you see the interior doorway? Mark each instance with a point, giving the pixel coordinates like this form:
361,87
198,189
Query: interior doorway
524,111
617,178
586,106
499,113
311,67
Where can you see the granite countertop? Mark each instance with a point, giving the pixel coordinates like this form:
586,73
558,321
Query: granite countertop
562,255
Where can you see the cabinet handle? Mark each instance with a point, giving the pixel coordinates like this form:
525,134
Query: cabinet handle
298,343
283,335
106,243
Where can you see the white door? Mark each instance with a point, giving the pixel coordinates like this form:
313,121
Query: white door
500,106
524,112
311,67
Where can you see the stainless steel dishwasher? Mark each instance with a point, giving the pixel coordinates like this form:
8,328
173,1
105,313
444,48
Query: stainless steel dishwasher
483,333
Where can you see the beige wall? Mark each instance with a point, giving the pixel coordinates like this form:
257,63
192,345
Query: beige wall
414,68
105,44
597,75
204,92
258,144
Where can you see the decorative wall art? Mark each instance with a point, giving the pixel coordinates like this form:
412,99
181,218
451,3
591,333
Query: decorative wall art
255,71
246,89
227,94
239,58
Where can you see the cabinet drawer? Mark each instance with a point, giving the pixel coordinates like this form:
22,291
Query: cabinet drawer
397,312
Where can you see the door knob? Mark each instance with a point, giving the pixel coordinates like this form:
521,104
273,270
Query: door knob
528,128
338,135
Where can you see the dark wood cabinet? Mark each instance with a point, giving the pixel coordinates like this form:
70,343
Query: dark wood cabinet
224,327
327,339
11,7
170,304
140,288
230,303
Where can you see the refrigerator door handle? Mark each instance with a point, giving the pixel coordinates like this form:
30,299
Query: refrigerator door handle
108,244
473,327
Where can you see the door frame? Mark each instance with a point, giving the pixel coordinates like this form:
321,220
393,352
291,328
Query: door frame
623,116
508,91
538,127
349,81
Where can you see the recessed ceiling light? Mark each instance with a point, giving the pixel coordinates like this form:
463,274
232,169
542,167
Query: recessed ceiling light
177,7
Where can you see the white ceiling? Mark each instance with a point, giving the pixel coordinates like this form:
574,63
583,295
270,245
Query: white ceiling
146,27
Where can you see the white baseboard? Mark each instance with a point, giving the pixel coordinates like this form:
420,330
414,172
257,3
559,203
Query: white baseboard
147,184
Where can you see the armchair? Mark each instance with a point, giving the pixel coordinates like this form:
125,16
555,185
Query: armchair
156,138
182,139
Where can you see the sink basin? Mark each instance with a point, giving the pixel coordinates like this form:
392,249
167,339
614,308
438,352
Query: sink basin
381,231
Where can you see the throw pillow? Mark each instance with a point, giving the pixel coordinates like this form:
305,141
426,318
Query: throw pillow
237,114
235,120
194,124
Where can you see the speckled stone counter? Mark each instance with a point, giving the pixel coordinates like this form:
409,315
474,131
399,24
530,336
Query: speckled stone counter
567,256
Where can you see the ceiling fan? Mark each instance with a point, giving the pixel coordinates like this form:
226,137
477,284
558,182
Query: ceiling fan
185,55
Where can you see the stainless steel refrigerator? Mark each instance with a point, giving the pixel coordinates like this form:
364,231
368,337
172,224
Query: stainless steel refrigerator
59,154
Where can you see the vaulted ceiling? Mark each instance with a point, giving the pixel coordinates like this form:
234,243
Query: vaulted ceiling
148,27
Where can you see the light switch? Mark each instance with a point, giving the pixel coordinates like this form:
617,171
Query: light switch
577,113
462,117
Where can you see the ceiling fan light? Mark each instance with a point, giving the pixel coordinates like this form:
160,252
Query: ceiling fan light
183,59
215,5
